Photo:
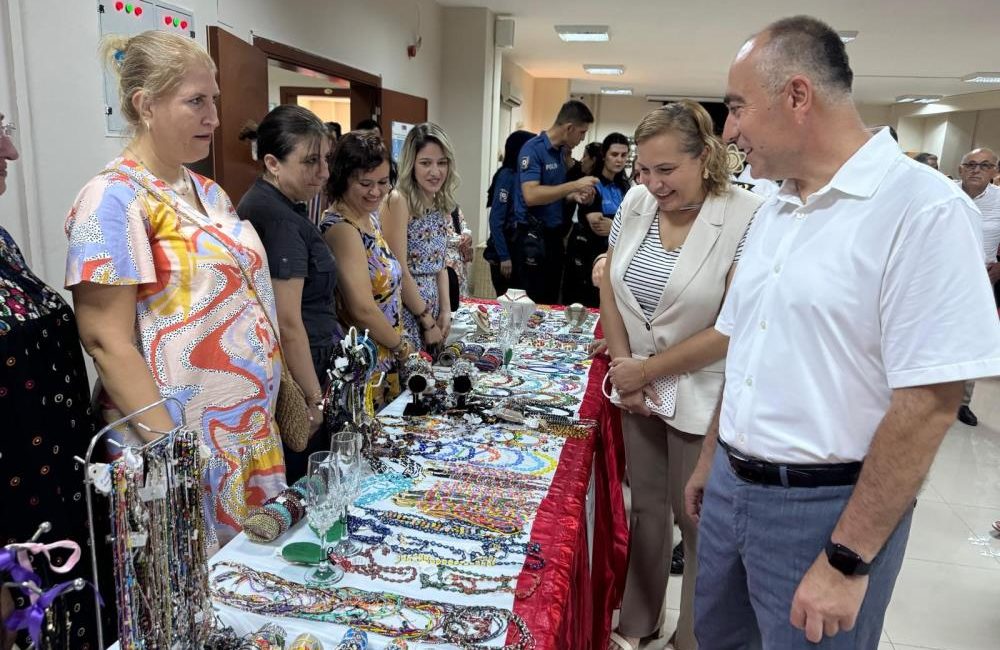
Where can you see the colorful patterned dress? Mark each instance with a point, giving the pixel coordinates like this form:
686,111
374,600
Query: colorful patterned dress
387,278
426,247
46,416
199,323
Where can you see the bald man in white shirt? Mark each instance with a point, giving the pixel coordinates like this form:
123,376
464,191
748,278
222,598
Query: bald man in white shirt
975,171
858,310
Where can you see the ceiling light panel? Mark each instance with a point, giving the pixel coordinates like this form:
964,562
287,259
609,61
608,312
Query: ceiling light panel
616,91
982,78
604,69
583,33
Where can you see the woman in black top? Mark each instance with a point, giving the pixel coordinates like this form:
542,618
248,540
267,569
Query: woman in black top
292,144
590,234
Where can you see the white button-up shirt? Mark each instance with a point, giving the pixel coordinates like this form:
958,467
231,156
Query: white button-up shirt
874,283
989,205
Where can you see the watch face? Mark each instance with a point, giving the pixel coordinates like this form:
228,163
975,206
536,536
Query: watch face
845,560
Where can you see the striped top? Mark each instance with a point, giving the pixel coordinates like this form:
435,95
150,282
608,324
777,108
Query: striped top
652,265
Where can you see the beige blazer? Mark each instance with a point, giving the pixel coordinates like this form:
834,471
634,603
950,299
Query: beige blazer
692,297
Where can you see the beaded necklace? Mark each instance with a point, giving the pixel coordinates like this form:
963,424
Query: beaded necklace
407,545
499,510
448,578
374,613
372,568
158,545
493,546
382,486
485,475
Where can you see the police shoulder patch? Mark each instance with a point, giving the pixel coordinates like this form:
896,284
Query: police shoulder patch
503,196
525,162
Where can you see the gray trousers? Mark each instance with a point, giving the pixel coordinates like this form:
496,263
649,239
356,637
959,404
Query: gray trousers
660,460
967,396
755,544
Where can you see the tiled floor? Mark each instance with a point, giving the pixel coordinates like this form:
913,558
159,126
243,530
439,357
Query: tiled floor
947,596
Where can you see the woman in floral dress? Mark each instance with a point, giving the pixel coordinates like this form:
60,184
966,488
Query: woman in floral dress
417,231
370,281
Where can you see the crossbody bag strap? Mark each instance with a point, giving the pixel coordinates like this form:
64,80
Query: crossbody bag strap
183,210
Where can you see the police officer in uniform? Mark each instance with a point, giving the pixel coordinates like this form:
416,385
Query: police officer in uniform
589,237
538,249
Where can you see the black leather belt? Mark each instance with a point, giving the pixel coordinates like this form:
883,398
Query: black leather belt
755,470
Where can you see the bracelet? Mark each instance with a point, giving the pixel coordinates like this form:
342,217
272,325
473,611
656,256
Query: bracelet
643,366
602,256
396,349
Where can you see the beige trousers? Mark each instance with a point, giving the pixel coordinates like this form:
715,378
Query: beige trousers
659,462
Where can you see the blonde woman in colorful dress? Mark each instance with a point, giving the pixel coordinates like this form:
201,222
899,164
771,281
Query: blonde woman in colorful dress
416,227
172,290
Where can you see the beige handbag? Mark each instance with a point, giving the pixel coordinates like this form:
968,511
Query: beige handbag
291,412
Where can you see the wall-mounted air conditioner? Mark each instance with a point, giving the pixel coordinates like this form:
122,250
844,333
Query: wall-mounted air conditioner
510,95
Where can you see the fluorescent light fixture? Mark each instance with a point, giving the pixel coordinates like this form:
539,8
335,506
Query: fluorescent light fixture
919,99
616,91
847,37
982,78
583,33
676,98
604,69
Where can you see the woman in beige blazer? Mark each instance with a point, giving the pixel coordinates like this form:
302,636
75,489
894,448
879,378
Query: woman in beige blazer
672,252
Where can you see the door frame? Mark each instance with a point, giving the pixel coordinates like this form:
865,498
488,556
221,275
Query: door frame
366,88
295,56
289,92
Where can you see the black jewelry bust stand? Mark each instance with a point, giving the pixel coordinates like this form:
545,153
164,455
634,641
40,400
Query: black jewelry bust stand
417,384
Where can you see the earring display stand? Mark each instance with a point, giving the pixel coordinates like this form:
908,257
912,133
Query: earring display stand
158,536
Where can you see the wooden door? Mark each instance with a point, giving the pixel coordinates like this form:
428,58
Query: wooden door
364,104
400,107
243,84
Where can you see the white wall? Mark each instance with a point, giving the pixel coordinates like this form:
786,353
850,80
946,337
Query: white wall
617,114
469,115
52,83
524,83
876,115
987,132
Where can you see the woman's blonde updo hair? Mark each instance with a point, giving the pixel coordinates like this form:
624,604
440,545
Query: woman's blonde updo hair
692,125
154,62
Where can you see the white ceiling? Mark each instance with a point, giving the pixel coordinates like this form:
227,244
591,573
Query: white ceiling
684,48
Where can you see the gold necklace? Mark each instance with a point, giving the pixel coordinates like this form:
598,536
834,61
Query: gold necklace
184,184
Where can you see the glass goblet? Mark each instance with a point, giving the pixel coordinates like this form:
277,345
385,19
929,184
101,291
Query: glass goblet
323,505
345,446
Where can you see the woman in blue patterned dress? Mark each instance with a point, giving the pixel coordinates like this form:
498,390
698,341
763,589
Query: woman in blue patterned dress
416,227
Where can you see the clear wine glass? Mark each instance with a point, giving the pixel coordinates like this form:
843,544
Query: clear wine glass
323,506
345,446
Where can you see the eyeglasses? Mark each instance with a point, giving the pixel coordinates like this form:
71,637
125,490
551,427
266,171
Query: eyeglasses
985,166
7,129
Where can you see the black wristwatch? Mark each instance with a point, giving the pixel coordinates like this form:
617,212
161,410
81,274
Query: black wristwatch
845,560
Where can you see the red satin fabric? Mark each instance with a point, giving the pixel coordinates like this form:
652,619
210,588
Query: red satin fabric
610,557
559,612
571,609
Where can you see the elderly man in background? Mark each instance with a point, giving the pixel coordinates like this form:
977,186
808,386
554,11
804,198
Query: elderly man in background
976,170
